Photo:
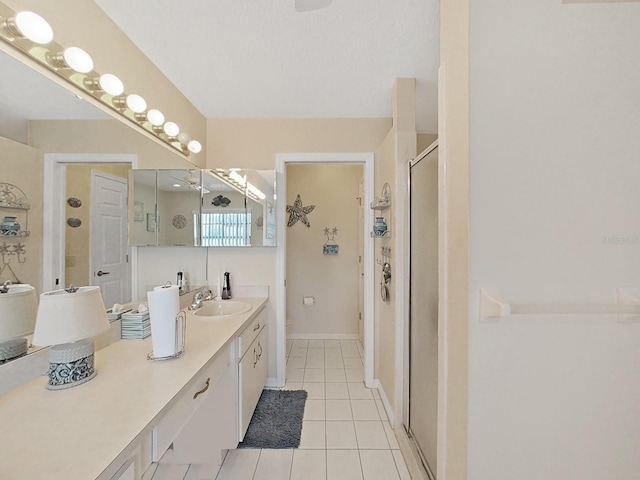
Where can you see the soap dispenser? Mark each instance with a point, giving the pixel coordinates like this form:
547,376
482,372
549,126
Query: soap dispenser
226,287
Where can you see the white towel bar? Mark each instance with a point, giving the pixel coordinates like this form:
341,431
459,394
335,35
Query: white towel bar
627,298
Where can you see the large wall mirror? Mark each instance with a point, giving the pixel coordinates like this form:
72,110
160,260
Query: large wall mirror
208,208
37,118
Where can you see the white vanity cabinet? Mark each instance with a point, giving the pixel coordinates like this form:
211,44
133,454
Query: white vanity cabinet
211,430
252,369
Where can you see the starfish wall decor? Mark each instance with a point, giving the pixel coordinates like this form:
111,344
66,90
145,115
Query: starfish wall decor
298,212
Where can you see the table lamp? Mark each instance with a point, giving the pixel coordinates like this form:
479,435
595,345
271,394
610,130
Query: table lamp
67,320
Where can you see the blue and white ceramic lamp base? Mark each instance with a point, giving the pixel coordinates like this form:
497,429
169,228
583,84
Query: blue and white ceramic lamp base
71,364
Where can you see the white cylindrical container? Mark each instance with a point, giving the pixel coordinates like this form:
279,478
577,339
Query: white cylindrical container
164,305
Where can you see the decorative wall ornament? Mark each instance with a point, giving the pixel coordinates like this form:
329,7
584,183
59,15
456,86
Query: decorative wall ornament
220,201
74,202
298,212
138,211
152,222
330,247
179,221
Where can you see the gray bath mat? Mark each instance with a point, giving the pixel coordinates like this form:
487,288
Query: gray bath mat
277,421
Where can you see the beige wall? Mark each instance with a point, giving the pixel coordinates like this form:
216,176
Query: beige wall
77,240
21,166
100,136
453,147
424,140
82,23
332,279
253,143
385,318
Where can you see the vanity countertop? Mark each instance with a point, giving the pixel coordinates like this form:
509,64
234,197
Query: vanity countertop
77,433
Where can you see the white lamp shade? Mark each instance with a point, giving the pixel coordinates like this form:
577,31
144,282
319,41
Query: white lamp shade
78,59
68,317
18,309
136,103
111,84
34,27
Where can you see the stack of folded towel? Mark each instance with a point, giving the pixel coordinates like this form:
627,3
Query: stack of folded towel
136,323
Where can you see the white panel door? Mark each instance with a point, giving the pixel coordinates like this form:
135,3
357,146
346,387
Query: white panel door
110,269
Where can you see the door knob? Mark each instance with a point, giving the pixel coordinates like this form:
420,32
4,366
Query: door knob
100,273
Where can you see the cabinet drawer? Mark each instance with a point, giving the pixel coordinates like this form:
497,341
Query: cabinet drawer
251,332
252,374
187,403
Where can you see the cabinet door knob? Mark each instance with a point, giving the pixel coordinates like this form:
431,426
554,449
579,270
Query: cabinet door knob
206,387
260,347
257,327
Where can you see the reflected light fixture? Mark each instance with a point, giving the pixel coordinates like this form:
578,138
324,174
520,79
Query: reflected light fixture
31,26
136,103
25,29
171,129
184,138
107,83
194,146
74,58
155,117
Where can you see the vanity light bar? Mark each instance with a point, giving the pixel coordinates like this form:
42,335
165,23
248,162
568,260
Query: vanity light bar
238,182
25,30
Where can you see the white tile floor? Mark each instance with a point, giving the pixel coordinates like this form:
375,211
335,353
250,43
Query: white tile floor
345,431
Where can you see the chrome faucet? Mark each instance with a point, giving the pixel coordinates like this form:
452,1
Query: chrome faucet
197,301
199,297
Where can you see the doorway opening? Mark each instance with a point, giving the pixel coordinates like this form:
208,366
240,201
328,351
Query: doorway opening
324,252
365,162
85,200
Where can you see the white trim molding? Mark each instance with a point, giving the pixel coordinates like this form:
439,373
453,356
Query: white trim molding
282,160
54,193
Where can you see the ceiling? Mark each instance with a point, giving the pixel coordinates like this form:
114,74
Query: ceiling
261,58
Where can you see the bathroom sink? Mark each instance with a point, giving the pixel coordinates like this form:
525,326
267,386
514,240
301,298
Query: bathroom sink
224,308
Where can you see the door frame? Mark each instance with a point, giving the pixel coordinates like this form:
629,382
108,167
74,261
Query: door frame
54,195
366,159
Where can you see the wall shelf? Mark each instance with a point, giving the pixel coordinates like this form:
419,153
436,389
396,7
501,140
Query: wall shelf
13,198
378,205
384,200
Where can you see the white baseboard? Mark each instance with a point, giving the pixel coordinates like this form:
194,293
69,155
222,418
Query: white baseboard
272,382
322,336
385,402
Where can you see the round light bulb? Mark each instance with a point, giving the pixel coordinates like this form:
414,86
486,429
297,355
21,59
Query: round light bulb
194,146
183,138
78,59
111,84
136,103
171,129
155,117
34,27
